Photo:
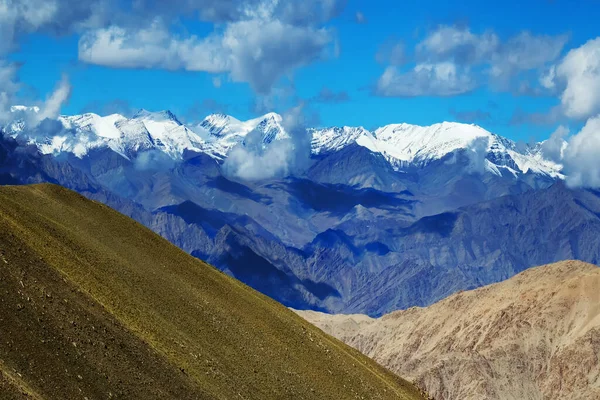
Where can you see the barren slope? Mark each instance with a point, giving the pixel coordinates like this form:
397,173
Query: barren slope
534,336
93,305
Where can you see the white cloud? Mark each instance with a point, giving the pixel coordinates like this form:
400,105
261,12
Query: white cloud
554,147
581,162
263,51
307,12
21,17
580,72
459,45
256,51
50,109
477,153
8,89
441,79
153,47
547,79
255,161
524,52
451,56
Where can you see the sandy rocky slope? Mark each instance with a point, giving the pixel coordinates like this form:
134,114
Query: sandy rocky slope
534,336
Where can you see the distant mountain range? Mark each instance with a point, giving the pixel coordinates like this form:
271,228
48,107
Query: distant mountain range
377,220
402,145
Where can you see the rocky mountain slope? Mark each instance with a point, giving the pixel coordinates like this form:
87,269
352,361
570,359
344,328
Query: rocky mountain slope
93,305
534,336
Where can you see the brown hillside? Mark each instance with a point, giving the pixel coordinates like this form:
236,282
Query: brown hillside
95,306
534,336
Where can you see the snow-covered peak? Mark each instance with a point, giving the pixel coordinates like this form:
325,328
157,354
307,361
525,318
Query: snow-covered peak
227,131
157,116
220,125
100,126
336,138
420,144
402,145
405,145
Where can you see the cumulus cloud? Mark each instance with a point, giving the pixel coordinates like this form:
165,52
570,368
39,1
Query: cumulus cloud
526,51
260,52
477,153
457,44
580,72
442,79
217,11
8,89
254,160
21,17
255,41
547,80
581,156
257,51
554,147
475,59
50,109
152,47
523,51
307,12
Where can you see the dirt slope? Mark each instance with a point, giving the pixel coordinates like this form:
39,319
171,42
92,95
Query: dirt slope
95,306
534,336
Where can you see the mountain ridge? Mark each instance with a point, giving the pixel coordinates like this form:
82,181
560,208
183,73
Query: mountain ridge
93,304
402,145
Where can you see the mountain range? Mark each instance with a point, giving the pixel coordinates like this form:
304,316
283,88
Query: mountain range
374,221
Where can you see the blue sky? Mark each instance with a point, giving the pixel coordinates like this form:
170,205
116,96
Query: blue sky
345,56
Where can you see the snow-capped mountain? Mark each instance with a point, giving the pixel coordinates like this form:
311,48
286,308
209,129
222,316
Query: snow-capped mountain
227,132
402,145
406,145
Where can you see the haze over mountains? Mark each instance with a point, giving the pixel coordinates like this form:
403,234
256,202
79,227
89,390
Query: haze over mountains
534,336
339,219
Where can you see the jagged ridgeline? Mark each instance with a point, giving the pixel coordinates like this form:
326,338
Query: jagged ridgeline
93,305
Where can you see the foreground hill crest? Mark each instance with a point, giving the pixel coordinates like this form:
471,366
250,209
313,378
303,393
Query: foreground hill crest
94,305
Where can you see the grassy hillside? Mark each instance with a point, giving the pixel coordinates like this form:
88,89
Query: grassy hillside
93,305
